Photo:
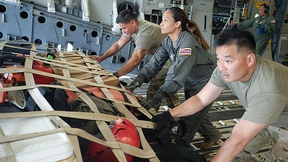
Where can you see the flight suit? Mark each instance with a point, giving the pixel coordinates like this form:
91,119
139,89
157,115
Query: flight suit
262,29
149,37
191,68
156,82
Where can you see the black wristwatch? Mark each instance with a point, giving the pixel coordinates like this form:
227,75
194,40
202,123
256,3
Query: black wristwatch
116,74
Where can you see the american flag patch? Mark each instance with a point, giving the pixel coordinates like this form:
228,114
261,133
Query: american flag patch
273,21
185,51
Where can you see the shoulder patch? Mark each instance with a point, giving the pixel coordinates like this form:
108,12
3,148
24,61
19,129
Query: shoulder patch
185,51
273,21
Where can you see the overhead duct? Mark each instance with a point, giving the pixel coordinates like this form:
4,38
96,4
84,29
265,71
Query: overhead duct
51,6
141,9
115,27
85,10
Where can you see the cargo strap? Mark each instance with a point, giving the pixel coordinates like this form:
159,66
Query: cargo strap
69,65
7,149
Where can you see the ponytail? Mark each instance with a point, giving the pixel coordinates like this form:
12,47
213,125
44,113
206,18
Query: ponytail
193,28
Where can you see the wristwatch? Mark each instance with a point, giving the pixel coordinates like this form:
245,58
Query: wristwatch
116,74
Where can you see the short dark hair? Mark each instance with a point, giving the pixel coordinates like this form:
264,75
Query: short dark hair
266,7
126,16
242,38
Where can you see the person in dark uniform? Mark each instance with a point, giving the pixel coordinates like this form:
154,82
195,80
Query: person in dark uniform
263,27
192,67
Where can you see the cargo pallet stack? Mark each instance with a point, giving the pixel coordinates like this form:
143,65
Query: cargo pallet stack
40,135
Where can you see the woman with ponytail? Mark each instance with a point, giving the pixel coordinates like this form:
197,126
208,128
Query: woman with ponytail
192,67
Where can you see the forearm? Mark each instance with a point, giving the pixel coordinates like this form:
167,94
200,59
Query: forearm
170,87
197,102
110,52
129,66
227,152
133,62
189,107
245,24
243,132
270,28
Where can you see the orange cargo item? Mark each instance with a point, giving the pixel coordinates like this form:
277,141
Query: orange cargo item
13,78
97,92
16,78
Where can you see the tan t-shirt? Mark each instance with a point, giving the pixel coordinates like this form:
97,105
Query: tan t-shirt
148,36
265,95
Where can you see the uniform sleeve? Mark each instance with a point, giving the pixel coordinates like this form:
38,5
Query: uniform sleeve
155,64
265,108
144,43
270,26
180,69
217,79
246,24
127,36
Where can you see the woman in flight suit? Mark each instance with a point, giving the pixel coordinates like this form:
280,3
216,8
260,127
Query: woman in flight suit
192,67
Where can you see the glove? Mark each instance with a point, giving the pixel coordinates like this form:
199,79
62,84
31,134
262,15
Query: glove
156,99
123,83
164,123
137,82
261,28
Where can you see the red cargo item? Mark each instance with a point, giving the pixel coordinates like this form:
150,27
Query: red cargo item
41,79
123,131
